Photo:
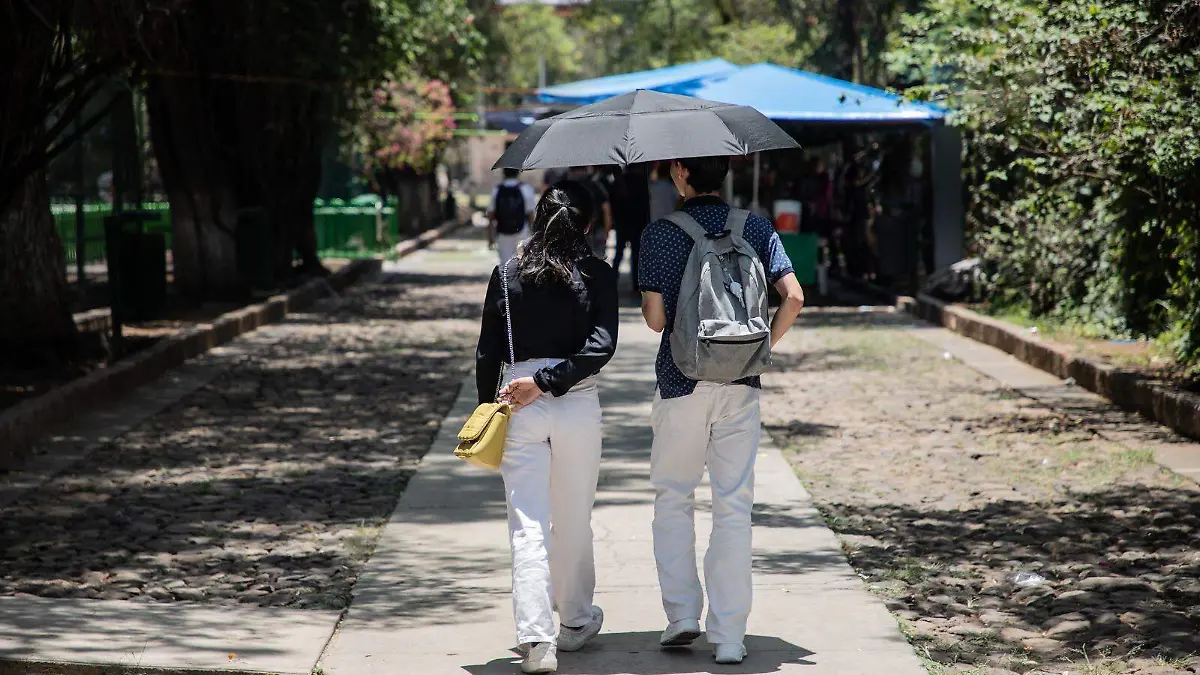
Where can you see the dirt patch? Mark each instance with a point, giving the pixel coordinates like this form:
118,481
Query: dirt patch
1004,536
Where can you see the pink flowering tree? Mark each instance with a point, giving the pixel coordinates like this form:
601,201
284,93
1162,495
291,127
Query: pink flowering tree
402,131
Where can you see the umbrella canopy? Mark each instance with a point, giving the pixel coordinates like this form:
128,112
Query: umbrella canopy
643,126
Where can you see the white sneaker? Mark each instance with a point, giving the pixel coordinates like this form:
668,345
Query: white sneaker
540,658
680,633
573,639
729,652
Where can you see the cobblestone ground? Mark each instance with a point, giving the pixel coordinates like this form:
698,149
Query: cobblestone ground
267,486
943,486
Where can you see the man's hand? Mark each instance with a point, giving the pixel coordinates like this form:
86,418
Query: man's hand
654,311
789,308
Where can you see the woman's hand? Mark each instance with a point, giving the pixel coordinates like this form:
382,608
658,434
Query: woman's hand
520,392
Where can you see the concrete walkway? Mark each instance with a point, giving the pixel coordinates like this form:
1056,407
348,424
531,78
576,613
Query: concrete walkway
435,596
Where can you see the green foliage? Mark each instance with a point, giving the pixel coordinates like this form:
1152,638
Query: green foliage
525,32
603,37
406,126
756,42
435,39
1082,151
606,37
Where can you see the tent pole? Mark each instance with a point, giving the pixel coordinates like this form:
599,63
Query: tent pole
754,206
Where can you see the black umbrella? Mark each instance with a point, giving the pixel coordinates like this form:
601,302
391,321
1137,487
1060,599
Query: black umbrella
643,126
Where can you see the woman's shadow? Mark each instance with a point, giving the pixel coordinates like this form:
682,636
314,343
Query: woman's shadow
640,654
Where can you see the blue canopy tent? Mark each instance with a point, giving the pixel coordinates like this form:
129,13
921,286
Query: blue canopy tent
795,95
790,95
584,92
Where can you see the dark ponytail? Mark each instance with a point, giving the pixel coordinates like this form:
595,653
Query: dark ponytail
559,235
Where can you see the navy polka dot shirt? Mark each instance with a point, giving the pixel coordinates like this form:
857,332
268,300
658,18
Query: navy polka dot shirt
664,255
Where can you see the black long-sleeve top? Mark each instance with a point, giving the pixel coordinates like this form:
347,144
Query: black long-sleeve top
577,323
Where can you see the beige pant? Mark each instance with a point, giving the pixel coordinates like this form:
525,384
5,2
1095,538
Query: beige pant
551,463
718,425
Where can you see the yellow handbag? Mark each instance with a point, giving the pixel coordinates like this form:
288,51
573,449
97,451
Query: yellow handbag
481,440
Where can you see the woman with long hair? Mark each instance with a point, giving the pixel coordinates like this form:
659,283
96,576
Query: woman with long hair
564,317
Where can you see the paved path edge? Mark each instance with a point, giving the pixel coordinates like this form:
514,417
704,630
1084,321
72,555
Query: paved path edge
1128,389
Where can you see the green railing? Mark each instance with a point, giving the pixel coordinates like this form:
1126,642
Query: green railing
343,231
356,231
93,228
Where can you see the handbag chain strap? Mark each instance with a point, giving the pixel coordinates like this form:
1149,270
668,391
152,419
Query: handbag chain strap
512,358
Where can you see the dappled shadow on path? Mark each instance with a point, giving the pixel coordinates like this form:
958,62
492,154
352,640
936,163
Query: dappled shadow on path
1121,570
267,485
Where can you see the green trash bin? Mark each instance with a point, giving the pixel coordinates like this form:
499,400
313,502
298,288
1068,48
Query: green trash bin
137,266
255,249
802,250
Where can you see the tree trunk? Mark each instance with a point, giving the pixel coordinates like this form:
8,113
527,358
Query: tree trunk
36,328
291,180
848,38
203,205
277,158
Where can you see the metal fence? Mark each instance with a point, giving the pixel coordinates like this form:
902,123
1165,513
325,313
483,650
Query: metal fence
93,228
355,231
343,231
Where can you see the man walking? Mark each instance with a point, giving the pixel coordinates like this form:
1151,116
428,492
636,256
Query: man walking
631,214
602,219
510,214
699,423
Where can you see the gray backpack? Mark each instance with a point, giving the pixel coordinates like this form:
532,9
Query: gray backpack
721,331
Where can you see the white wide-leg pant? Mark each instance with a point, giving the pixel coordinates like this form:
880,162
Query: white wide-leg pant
551,463
717,425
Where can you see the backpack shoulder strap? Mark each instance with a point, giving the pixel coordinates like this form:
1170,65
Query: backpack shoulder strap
688,224
735,222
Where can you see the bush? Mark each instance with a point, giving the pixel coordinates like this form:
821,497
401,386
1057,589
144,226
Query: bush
1083,162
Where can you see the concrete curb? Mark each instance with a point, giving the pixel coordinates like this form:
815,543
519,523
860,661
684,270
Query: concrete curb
417,243
94,321
21,424
1133,391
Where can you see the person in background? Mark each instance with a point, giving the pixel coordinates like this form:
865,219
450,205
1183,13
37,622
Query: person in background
819,193
510,214
552,176
631,211
564,317
602,219
858,210
664,198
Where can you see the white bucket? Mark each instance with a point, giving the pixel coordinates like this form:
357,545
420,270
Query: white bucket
787,216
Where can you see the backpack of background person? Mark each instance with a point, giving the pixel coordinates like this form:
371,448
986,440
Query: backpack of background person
510,210
722,332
